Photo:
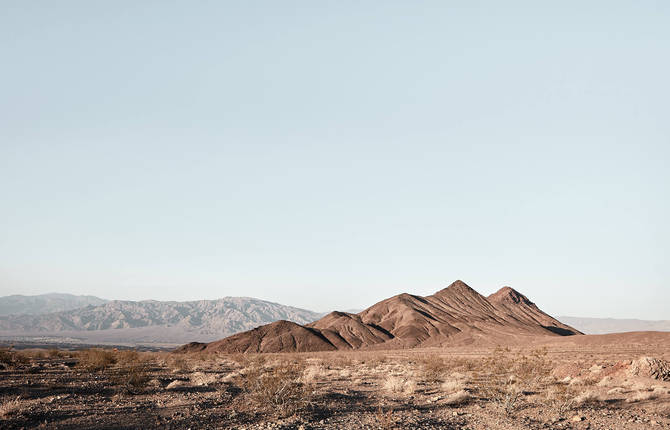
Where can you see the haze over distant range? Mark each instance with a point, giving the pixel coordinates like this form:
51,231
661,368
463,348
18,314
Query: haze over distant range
331,155
58,318
147,322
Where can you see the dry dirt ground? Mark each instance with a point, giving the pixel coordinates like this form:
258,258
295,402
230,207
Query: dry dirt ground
555,387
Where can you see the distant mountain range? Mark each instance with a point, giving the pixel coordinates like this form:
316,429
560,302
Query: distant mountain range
611,325
45,303
89,319
151,321
456,315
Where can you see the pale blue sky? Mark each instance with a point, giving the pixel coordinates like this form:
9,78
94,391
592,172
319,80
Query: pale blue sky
331,154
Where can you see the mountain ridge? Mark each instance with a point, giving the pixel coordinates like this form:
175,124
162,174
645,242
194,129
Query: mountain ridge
19,304
455,313
166,321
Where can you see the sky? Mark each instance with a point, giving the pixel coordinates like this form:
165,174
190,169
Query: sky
330,154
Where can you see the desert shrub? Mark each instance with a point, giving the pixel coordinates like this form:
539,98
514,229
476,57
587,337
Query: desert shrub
203,356
179,364
384,420
561,398
8,407
6,357
96,359
433,367
506,377
277,388
127,356
54,353
312,373
9,358
133,378
396,384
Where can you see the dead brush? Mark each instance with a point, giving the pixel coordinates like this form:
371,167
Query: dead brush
6,358
96,359
384,420
55,353
133,378
8,407
507,377
561,398
132,370
434,368
12,359
340,362
179,364
276,388
464,364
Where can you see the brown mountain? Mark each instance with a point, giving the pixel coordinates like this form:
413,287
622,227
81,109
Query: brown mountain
455,315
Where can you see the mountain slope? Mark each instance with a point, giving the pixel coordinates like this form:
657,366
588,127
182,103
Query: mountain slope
517,307
45,303
165,321
455,314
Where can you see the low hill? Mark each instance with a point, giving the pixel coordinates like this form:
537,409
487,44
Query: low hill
455,315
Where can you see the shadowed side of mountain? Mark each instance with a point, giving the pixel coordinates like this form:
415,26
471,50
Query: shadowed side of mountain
517,309
345,331
280,336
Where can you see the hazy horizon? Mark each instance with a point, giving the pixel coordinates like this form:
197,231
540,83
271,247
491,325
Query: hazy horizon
330,155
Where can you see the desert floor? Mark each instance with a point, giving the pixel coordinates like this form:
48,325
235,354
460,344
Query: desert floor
596,385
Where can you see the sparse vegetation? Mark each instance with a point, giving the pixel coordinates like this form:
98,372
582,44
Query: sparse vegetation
356,389
10,358
400,385
10,406
506,377
384,419
277,388
96,359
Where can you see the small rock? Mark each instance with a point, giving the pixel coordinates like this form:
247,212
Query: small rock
578,418
175,384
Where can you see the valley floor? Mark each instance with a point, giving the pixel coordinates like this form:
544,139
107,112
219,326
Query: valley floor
557,387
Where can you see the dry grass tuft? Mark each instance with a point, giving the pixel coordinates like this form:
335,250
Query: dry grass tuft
400,385
587,397
453,385
8,407
458,398
312,373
